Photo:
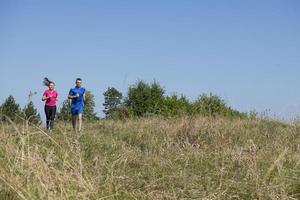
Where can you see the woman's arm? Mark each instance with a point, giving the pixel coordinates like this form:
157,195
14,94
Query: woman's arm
44,98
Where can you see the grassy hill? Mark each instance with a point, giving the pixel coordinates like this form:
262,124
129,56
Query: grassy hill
154,158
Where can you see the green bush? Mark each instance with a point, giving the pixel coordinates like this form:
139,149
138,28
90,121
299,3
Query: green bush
213,105
176,106
144,98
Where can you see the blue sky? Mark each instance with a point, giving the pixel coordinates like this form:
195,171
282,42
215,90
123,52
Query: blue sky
246,51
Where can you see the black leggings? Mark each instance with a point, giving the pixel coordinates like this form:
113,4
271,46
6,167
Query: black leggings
50,112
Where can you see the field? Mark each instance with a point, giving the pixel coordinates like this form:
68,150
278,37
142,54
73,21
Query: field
152,158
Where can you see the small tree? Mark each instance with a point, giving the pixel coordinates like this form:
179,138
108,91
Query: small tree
112,101
145,99
156,98
31,114
10,109
89,106
64,113
138,98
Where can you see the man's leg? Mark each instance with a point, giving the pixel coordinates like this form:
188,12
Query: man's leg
79,121
74,122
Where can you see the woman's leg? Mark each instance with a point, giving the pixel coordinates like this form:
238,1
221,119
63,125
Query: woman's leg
47,112
52,116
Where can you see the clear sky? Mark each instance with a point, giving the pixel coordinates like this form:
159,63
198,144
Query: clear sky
247,51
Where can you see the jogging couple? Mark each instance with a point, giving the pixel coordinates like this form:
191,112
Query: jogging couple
77,97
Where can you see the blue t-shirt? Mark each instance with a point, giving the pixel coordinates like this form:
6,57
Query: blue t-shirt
79,100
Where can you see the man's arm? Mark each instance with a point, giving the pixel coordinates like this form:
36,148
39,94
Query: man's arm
70,96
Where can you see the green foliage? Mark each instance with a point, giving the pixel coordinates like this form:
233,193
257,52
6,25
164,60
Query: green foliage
89,106
213,105
112,101
156,98
10,109
138,98
144,98
64,113
176,106
31,114
210,105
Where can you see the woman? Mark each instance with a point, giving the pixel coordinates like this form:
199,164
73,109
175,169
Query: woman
50,98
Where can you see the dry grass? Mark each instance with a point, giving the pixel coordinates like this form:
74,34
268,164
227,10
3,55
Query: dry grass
185,158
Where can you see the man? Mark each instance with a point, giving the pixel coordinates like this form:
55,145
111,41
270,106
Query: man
77,96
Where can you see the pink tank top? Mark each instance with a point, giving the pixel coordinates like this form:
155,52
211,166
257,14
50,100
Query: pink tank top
53,97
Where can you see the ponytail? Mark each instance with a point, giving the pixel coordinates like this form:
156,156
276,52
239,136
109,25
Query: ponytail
47,82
